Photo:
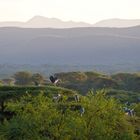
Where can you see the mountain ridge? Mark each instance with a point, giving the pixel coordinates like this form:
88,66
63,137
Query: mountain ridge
44,22
119,23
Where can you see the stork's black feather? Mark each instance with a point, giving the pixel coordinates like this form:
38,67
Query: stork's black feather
53,79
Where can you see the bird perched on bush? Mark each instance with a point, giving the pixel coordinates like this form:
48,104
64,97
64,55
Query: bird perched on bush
54,80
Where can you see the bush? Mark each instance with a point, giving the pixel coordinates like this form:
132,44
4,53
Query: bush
39,118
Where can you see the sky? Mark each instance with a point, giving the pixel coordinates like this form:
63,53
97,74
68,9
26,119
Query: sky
89,11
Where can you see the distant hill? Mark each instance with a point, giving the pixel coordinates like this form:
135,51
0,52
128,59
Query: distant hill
76,46
118,23
44,22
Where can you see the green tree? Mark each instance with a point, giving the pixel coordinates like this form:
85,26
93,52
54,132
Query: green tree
137,109
23,78
104,119
37,78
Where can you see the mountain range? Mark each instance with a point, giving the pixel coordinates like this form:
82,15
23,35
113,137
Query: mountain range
74,46
44,22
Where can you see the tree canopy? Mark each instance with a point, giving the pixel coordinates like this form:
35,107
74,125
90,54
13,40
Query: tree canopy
40,118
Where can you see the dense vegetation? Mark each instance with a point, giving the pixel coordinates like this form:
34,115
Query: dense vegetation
30,111
40,118
124,86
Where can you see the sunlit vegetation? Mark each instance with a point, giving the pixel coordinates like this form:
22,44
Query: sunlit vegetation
82,106
40,118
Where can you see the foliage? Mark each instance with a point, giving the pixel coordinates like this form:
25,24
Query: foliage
128,81
83,81
121,81
40,118
106,119
124,96
23,78
37,78
123,86
1,83
72,76
29,113
137,109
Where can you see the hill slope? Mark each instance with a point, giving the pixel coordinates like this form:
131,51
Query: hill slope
81,46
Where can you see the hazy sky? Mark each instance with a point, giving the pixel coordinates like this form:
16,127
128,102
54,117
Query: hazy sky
77,10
